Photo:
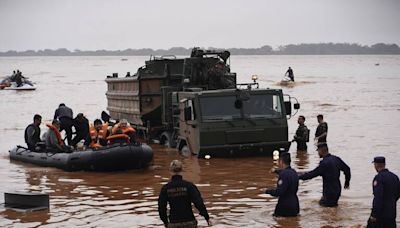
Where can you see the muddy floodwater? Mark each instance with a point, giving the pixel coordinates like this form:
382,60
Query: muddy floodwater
359,99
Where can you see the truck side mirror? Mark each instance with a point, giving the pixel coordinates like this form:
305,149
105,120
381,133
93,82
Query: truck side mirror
296,106
188,113
288,108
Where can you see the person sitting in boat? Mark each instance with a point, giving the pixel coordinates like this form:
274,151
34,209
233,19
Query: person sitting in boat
81,125
32,134
289,73
18,78
122,132
13,75
53,140
98,134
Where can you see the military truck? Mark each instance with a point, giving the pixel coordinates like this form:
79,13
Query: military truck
195,105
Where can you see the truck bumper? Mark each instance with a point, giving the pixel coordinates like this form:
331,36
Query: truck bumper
247,149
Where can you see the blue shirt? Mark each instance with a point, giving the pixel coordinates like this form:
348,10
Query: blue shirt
329,168
287,186
386,188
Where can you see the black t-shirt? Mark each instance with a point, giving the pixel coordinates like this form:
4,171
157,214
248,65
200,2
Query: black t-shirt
180,195
322,128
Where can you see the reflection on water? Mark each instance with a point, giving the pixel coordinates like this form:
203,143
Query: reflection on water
101,199
360,102
301,160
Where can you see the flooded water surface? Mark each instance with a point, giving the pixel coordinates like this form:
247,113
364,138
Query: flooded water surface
360,102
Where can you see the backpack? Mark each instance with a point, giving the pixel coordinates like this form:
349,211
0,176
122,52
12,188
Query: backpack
307,134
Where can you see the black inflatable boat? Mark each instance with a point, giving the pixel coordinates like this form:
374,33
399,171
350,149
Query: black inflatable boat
109,158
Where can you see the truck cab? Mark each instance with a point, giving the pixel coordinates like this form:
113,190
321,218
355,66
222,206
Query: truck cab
233,122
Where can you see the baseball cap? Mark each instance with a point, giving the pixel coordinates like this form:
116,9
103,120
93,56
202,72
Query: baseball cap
379,159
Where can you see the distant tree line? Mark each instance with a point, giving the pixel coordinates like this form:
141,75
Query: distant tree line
291,49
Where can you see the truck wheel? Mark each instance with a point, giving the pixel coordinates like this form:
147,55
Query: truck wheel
167,140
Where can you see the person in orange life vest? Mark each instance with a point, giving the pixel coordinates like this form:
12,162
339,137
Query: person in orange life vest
98,134
53,140
123,129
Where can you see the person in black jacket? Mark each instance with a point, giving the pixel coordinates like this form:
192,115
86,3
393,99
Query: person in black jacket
32,133
81,125
290,74
65,116
180,195
386,188
286,190
329,168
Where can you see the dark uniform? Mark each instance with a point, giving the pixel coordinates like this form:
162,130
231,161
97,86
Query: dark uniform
18,79
180,194
81,125
65,115
288,184
386,188
322,128
32,136
329,168
302,137
290,74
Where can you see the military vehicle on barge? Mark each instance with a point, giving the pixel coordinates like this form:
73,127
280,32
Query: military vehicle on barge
195,105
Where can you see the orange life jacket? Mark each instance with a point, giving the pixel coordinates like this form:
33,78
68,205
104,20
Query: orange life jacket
111,139
95,135
52,127
128,129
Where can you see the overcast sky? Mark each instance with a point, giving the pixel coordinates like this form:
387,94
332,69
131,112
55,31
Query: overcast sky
120,24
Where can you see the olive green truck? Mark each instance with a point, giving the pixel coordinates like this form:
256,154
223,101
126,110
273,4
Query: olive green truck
195,105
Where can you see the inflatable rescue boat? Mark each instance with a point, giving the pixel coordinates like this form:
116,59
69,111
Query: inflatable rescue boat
109,158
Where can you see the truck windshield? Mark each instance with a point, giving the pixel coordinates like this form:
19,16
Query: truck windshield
219,108
257,106
263,106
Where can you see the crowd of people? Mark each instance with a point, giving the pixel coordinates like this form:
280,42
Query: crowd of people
180,194
93,136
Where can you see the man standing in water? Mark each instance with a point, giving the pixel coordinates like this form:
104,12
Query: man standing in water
322,130
302,134
329,168
386,188
286,190
180,194
289,73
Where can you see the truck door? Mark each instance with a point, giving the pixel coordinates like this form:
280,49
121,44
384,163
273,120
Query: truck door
188,125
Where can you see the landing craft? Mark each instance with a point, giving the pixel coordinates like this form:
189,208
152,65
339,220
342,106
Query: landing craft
195,105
